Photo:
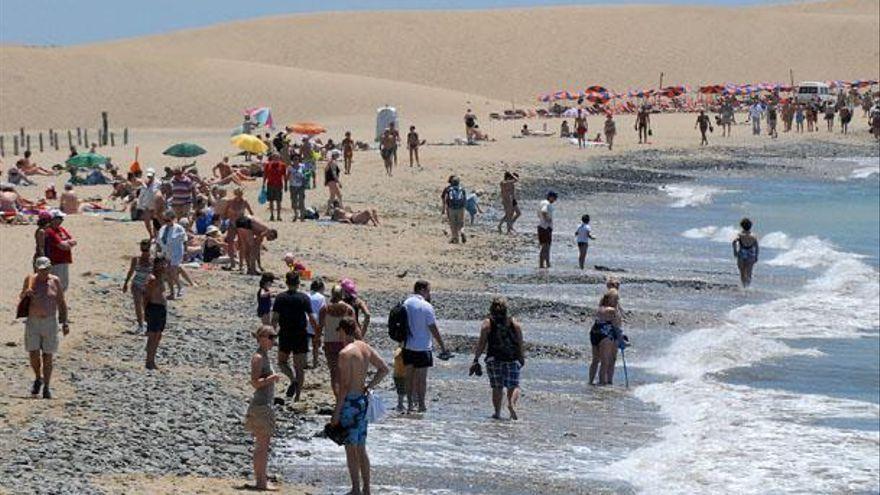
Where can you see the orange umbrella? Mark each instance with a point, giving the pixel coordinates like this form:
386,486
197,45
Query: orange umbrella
307,128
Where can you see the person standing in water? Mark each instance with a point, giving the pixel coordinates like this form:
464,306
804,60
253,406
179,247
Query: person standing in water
610,130
745,251
580,125
583,235
545,229
501,338
604,336
508,201
355,360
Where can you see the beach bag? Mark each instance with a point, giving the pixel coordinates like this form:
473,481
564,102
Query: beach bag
398,323
24,305
376,410
457,198
263,197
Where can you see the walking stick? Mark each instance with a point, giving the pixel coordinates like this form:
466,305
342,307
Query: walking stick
625,374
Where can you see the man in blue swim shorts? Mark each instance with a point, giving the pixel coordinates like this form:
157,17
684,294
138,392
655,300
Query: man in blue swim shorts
355,360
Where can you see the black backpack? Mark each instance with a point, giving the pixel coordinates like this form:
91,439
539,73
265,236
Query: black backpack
398,323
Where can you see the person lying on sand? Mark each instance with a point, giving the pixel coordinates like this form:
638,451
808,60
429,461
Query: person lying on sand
362,217
224,173
30,168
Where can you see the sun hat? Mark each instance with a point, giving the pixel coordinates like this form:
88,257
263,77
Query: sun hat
42,263
212,230
335,154
151,172
349,287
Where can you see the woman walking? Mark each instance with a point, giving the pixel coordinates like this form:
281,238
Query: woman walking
138,272
501,338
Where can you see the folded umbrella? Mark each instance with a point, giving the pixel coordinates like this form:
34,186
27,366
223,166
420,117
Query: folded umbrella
307,128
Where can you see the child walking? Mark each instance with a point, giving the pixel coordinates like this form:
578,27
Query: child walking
264,298
583,234
472,204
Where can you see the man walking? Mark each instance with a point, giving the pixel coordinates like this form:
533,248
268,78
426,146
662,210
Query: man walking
155,309
45,308
545,229
355,360
456,200
704,125
418,350
145,199
291,314
755,113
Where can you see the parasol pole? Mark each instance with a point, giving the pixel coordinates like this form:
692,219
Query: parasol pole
791,77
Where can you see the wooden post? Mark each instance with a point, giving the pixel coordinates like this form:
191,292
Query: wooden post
41,141
100,138
2,147
791,77
86,138
125,137
15,145
106,126
21,135
112,139
79,136
56,140
69,138
28,142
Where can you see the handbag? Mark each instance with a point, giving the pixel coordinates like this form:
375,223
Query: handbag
376,410
263,197
24,305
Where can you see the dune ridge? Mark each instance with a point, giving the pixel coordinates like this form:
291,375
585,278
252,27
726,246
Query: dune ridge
333,65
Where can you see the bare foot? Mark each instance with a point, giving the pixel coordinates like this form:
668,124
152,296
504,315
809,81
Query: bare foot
513,415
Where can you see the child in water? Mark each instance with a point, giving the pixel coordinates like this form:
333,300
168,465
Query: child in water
399,378
745,251
472,204
584,235
264,298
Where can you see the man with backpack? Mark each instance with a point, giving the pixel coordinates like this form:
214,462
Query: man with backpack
455,200
413,323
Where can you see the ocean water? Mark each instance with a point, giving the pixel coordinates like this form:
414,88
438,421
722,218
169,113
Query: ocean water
778,395
782,396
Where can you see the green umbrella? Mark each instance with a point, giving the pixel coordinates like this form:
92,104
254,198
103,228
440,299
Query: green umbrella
185,150
86,160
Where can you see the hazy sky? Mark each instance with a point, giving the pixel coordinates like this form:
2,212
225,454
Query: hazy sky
65,22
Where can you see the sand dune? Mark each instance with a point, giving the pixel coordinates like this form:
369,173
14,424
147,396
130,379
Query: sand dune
338,64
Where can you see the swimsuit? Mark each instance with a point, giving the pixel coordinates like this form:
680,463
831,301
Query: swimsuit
354,419
602,330
141,272
244,223
749,253
264,303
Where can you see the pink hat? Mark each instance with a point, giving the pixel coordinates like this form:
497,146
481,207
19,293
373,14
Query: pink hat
349,287
44,215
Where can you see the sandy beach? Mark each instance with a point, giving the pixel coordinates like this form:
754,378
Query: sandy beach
113,428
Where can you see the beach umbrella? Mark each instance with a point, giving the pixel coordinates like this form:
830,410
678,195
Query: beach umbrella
307,128
251,144
573,112
86,160
561,95
184,150
545,97
261,115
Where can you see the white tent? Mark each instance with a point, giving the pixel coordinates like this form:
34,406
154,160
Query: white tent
385,116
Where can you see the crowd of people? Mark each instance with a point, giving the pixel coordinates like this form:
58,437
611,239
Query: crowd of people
190,218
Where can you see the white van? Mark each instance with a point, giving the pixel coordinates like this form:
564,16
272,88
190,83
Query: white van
808,91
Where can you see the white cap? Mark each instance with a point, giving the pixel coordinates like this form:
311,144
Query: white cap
57,213
151,172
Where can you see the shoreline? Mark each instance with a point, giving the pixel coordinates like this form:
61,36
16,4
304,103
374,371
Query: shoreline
206,344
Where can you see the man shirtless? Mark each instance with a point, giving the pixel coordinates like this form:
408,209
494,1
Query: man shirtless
224,174
69,201
347,151
580,125
393,130
412,144
508,201
251,232
388,148
643,123
30,168
362,217
355,360
235,208
155,309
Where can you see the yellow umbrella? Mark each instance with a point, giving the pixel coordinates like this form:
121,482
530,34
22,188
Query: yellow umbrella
251,144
